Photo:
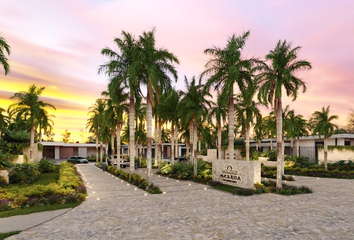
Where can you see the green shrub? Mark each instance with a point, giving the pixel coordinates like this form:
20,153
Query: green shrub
244,191
45,165
2,181
203,152
23,173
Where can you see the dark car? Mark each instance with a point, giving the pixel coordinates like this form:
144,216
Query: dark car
77,160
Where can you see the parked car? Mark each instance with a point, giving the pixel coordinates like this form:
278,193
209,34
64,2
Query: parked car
77,159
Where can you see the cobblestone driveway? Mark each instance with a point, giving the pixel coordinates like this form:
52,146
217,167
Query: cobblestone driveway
116,210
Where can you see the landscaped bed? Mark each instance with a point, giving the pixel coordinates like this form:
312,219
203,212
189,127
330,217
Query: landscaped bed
303,168
184,171
62,188
135,179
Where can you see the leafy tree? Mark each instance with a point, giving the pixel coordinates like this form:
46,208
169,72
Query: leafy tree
321,123
272,78
350,123
4,47
66,136
3,120
299,126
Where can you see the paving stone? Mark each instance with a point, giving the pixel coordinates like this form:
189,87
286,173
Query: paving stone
190,212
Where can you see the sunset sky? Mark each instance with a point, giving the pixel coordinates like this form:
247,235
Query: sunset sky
57,44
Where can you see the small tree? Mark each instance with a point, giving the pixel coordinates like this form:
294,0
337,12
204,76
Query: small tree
350,123
322,125
66,136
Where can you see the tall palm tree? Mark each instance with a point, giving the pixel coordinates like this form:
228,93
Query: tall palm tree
300,129
94,123
29,105
168,111
218,111
270,127
272,78
154,63
194,109
122,69
44,122
3,58
247,112
3,120
322,124
228,68
119,100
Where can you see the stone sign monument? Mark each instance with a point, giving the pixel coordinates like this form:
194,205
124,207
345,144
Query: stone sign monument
237,173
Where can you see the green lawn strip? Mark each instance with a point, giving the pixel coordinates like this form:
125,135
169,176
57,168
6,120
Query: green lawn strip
225,188
8,234
43,179
24,211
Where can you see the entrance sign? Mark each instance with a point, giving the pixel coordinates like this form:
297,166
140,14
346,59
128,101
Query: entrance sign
237,173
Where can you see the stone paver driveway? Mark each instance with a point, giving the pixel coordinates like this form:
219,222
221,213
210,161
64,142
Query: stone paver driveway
116,210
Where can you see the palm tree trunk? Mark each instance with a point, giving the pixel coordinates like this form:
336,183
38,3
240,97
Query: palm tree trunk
106,152
231,127
118,145
195,136
112,148
325,152
40,135
148,135
279,113
131,133
247,143
298,147
271,142
191,159
172,145
96,148
32,143
159,144
176,139
156,140
141,153
282,154
219,140
101,152
199,145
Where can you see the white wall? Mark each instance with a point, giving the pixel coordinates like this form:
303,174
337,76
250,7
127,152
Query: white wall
335,155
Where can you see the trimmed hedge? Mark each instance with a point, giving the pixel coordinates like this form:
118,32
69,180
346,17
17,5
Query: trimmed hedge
135,179
69,188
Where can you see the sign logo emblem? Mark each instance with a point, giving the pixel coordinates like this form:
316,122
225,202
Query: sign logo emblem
230,175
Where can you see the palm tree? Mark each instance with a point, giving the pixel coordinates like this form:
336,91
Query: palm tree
270,127
3,59
29,105
122,70
3,120
272,78
299,126
322,125
219,113
153,63
94,123
247,112
259,130
228,68
44,122
168,112
119,100
193,108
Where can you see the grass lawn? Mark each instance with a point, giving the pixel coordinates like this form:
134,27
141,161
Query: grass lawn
43,179
225,188
8,234
29,210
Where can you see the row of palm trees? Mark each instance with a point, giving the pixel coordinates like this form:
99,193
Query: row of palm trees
138,62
